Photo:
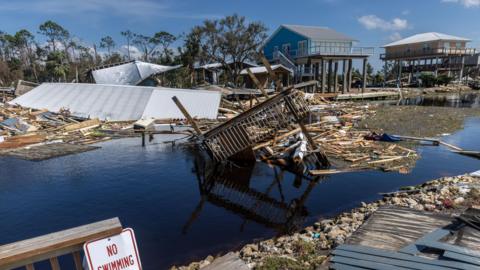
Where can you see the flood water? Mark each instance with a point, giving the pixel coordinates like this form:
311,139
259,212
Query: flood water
457,100
182,210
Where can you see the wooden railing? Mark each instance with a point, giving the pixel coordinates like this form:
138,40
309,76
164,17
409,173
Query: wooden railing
51,246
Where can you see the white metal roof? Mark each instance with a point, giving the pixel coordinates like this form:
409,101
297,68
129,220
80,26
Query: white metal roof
426,37
199,103
262,69
131,73
119,102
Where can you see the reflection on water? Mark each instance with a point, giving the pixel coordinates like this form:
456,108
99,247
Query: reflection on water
229,187
458,100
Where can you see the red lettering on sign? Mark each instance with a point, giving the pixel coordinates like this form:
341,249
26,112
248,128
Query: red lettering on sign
112,250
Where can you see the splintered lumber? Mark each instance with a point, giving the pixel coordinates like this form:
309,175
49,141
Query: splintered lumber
437,141
88,124
20,141
225,110
278,83
386,160
328,171
257,82
451,146
187,115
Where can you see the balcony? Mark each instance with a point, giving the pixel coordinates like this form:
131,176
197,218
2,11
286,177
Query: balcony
427,52
325,51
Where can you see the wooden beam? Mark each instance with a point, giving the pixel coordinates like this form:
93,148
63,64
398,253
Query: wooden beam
257,82
187,115
278,84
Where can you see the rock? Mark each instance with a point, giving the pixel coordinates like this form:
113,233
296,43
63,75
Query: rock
317,225
247,251
459,200
203,263
334,233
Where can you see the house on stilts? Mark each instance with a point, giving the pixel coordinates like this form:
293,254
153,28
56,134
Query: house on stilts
430,52
317,53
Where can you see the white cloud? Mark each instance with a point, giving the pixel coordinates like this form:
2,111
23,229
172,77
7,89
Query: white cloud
465,3
395,36
372,22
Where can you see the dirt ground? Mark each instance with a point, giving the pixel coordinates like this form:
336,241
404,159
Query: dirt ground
418,121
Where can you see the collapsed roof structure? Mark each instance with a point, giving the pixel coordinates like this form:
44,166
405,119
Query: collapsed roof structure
128,73
120,102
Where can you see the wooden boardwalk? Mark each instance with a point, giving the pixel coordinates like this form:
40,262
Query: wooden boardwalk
392,228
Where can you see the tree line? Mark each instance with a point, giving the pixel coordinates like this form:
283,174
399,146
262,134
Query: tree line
64,58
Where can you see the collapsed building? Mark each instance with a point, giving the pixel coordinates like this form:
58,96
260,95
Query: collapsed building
120,102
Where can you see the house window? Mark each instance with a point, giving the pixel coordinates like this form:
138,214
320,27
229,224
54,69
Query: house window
458,45
286,49
446,45
302,47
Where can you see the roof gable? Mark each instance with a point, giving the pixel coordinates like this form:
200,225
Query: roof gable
318,33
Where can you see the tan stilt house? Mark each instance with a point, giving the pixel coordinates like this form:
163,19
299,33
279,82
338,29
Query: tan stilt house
428,52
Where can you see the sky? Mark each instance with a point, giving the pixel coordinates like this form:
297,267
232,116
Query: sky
372,22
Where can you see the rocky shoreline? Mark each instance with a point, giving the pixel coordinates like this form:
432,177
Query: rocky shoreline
310,248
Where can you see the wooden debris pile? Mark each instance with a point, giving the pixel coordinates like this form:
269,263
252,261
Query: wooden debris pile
22,127
332,128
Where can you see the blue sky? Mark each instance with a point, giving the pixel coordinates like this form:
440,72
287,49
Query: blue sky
372,22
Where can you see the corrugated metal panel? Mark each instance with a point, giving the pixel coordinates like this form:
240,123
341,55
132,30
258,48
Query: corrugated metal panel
199,103
129,73
120,102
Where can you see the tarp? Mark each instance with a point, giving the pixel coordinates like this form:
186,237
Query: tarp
131,73
120,102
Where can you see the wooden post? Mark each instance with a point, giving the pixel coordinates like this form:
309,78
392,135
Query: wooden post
257,82
77,259
329,80
324,75
364,84
187,115
143,139
54,263
399,75
344,75
278,84
462,68
335,77
350,66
